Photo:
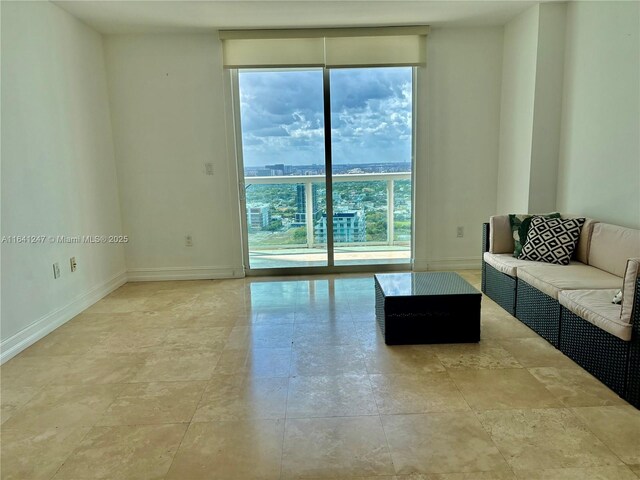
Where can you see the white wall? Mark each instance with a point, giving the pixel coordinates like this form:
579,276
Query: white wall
168,111
545,137
599,166
457,156
516,112
58,170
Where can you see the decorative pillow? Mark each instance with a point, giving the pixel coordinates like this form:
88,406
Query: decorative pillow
552,240
520,227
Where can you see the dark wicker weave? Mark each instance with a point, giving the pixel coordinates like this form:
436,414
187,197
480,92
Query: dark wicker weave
538,311
633,376
501,288
600,353
485,248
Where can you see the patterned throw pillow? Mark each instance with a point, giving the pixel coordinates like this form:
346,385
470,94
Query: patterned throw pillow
552,240
520,227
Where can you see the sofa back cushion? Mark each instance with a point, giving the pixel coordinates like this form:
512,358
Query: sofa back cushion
631,275
581,253
500,238
611,246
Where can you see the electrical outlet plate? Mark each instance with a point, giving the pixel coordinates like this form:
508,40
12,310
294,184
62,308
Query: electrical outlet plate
460,232
73,264
188,241
56,270
208,168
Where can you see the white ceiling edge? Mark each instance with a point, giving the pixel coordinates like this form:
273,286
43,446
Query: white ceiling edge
186,16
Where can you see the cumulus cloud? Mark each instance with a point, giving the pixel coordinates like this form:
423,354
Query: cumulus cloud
282,116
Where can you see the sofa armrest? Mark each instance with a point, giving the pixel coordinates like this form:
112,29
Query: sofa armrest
485,238
630,290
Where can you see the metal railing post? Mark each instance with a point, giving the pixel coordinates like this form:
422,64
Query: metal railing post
390,213
308,195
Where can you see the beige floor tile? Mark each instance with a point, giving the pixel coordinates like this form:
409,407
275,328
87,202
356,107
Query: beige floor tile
170,301
260,336
206,318
575,387
617,426
339,446
593,473
99,369
330,396
500,325
212,339
154,403
230,450
122,321
67,343
239,397
142,340
257,362
555,438
37,456
63,406
485,354
327,360
635,469
385,359
11,399
177,367
124,452
504,474
440,443
311,334
411,393
25,371
502,388
536,352
117,304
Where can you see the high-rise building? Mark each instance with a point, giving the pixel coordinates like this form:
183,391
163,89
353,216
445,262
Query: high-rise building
348,227
301,204
258,216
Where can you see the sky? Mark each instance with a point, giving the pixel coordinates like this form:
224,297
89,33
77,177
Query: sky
282,116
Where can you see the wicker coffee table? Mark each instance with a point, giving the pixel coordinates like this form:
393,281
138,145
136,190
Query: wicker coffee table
432,307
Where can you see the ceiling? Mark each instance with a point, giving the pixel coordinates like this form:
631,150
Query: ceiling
149,16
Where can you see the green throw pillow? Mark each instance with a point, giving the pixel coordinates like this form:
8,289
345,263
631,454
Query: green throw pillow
520,227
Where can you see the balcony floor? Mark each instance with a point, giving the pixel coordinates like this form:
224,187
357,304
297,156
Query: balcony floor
317,257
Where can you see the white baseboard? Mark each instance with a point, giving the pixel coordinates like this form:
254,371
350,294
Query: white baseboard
13,345
184,273
459,263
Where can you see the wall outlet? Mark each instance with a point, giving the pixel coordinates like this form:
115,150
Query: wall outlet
460,232
188,241
56,270
73,264
208,168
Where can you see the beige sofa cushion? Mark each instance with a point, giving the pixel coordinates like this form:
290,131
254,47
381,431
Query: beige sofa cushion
507,263
500,237
596,308
611,246
628,290
581,253
550,279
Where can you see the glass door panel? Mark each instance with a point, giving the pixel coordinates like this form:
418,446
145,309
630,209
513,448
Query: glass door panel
371,140
282,129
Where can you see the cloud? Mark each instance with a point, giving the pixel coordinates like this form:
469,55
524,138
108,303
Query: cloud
282,115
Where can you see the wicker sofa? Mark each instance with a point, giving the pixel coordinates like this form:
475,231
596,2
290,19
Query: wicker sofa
571,306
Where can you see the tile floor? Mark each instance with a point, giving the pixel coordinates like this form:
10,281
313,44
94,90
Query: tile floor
289,378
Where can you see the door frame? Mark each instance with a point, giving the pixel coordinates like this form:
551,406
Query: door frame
330,268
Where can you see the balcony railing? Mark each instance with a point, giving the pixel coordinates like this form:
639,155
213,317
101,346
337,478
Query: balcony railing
309,180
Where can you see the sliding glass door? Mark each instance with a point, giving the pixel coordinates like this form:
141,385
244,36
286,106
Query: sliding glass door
306,132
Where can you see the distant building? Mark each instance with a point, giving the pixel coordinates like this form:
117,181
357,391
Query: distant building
300,218
348,227
258,216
